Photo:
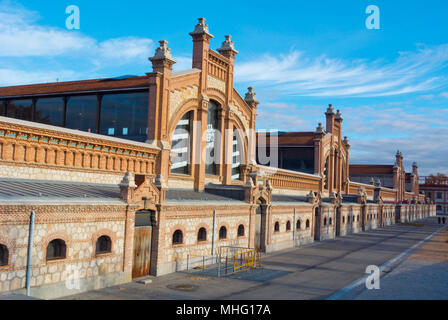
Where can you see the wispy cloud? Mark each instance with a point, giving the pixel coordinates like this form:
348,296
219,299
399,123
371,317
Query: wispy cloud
297,74
25,39
379,132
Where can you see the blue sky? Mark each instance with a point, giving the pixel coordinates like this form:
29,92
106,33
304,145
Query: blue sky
391,84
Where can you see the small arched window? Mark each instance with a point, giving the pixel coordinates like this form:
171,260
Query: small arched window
325,221
307,223
177,237
357,217
4,255
223,233
298,225
276,227
103,245
343,219
240,230
331,221
56,249
202,234
288,225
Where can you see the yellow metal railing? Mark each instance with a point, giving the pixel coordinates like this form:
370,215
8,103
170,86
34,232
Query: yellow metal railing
245,260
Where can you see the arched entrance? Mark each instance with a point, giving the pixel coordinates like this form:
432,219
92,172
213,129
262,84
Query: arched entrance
317,224
338,221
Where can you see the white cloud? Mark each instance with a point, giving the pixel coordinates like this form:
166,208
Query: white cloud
444,94
296,74
30,46
379,133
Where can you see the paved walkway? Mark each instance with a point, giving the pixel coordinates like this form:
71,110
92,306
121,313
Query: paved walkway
422,276
313,272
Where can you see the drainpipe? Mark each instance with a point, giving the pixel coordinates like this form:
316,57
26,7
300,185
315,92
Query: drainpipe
30,248
294,230
213,234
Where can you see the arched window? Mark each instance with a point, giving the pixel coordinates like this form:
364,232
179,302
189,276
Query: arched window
4,255
326,173
212,139
331,221
343,219
223,233
358,217
288,225
202,234
177,237
240,230
56,249
237,155
307,223
298,225
276,227
103,245
181,145
325,221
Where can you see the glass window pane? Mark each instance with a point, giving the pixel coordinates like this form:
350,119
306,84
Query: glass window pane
2,108
81,113
212,127
125,115
50,111
180,145
237,156
20,109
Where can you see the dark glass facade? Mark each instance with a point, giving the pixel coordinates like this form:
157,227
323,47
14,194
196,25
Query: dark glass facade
19,109
50,111
123,115
81,113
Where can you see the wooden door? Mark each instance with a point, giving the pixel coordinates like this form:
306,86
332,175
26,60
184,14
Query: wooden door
142,251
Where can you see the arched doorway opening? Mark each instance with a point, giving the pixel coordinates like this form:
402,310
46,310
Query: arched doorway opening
317,224
260,223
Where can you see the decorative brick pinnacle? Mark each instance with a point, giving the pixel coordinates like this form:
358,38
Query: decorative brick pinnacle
201,28
320,128
227,45
330,109
251,96
163,53
338,115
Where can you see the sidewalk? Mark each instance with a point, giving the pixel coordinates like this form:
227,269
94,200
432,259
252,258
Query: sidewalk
423,276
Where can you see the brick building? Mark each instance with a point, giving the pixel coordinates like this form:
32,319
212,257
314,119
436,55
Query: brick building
143,175
436,192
